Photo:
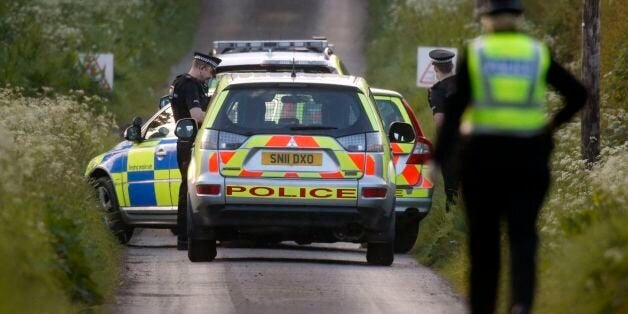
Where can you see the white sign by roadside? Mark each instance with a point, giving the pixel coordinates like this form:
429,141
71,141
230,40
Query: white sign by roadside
99,66
425,76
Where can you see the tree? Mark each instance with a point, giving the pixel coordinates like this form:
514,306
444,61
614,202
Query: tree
590,124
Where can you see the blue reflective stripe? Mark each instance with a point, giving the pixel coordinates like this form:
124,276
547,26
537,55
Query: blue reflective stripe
169,140
140,176
142,194
163,163
119,164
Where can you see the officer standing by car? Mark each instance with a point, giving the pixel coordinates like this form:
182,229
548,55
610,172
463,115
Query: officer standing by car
501,86
442,61
190,100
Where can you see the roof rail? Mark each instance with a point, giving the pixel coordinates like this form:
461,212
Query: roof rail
306,45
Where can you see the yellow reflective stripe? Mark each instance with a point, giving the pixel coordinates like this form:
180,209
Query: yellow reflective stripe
214,109
290,192
309,175
509,89
118,184
328,143
93,163
346,163
162,193
174,192
412,193
162,174
141,158
175,174
257,141
508,45
508,118
372,115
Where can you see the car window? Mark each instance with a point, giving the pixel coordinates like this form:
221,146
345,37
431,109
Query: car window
334,111
161,126
389,112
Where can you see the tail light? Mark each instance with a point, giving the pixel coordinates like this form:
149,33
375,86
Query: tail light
208,189
374,192
230,141
209,140
364,142
422,151
213,139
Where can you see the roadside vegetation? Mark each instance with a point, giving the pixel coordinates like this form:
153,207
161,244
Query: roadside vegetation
57,254
583,258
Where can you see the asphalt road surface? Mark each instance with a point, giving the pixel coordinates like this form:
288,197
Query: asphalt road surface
286,278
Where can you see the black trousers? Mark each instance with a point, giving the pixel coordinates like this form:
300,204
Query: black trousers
504,178
451,181
184,155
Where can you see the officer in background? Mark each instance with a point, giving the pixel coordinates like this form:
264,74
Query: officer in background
501,86
442,60
190,100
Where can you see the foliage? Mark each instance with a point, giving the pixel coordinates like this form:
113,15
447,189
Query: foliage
583,225
55,244
42,40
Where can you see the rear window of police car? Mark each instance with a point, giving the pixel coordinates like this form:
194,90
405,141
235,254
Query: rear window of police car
304,109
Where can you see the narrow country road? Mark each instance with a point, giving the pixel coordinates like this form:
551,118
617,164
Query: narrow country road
286,278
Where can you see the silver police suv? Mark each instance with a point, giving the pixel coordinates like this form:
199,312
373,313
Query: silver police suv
292,157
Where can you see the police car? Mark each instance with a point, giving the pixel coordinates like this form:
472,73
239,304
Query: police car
138,181
414,189
302,157
305,55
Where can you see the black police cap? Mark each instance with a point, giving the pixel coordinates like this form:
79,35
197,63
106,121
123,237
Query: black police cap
441,56
211,61
500,6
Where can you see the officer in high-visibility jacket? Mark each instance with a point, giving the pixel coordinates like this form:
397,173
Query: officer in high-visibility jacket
506,145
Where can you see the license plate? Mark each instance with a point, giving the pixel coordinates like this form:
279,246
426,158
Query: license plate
292,159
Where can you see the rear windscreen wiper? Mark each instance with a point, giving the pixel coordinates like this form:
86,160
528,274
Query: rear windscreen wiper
312,127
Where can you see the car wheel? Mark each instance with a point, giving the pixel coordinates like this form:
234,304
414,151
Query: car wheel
382,253
199,250
405,236
112,216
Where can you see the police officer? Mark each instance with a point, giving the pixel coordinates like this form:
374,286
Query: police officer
501,85
442,61
190,100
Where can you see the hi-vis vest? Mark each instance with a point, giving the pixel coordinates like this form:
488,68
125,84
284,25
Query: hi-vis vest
507,73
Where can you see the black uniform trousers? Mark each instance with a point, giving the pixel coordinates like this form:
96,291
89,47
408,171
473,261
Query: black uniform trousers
184,155
503,178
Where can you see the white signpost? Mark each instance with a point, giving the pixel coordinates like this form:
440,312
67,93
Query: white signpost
425,76
99,66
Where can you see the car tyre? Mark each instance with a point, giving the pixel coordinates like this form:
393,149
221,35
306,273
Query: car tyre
106,195
382,253
199,250
405,236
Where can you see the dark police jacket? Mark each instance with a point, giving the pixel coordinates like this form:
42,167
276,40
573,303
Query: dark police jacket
440,92
188,93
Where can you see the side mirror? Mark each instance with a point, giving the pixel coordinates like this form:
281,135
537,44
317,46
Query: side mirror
401,132
164,101
186,129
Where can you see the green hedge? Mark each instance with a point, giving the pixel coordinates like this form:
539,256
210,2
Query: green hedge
57,254
584,224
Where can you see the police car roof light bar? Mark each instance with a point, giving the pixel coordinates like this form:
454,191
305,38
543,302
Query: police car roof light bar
222,47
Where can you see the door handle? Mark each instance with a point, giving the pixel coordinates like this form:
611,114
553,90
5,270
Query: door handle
161,153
